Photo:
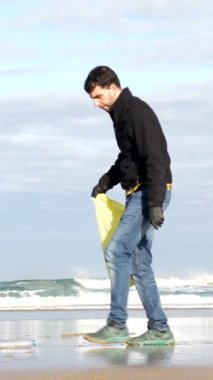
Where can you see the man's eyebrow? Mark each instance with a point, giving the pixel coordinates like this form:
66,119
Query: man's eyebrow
95,96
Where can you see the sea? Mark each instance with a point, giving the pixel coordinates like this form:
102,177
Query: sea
94,293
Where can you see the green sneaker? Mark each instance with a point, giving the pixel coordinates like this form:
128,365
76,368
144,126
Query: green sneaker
108,334
152,337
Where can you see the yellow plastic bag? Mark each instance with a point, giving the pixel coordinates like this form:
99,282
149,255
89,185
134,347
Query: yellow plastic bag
108,214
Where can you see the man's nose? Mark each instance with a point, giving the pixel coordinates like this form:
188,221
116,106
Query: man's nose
96,102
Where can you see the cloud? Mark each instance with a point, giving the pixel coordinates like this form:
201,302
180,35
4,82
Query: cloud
171,36
29,71
47,145
116,13
187,109
160,42
55,142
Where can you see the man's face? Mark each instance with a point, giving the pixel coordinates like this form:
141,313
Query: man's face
104,97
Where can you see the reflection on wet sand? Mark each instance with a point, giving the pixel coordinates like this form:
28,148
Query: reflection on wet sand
133,356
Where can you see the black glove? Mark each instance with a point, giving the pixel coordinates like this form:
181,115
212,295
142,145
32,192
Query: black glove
156,216
99,189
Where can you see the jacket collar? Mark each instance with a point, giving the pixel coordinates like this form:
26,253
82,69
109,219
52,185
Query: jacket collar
120,104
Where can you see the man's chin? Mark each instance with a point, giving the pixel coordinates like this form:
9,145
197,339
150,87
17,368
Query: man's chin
106,109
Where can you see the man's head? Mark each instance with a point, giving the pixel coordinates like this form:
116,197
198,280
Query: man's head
103,86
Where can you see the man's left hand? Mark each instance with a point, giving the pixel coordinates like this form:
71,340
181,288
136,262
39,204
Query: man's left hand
156,216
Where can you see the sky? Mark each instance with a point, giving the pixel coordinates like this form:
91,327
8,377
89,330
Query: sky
54,144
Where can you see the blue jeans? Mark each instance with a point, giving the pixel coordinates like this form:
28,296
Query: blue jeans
129,253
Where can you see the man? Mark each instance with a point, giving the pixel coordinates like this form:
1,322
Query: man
143,170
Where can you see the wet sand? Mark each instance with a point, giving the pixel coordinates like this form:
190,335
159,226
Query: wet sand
62,353
145,373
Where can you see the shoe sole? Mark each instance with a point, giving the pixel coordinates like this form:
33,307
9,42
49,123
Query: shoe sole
153,343
96,340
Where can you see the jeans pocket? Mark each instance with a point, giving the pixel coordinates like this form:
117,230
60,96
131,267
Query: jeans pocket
167,199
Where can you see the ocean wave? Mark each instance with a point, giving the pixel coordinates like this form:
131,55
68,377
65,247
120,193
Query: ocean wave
90,293
41,288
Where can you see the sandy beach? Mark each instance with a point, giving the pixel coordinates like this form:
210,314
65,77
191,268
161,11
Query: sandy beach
62,353
145,373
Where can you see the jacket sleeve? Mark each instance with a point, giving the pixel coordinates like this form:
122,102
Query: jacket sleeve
152,149
113,176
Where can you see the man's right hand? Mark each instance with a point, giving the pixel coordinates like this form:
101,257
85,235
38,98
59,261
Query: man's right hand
98,189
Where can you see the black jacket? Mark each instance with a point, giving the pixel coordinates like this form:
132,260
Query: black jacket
143,153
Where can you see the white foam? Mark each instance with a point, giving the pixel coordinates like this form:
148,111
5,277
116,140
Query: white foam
94,283
171,282
176,293
14,344
99,300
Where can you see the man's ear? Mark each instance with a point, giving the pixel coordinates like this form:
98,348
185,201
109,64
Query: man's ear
112,86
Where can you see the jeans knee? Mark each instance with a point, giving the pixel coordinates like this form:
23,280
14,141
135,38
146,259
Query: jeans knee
141,262
110,252
116,253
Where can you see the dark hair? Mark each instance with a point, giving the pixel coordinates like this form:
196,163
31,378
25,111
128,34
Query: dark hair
101,76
